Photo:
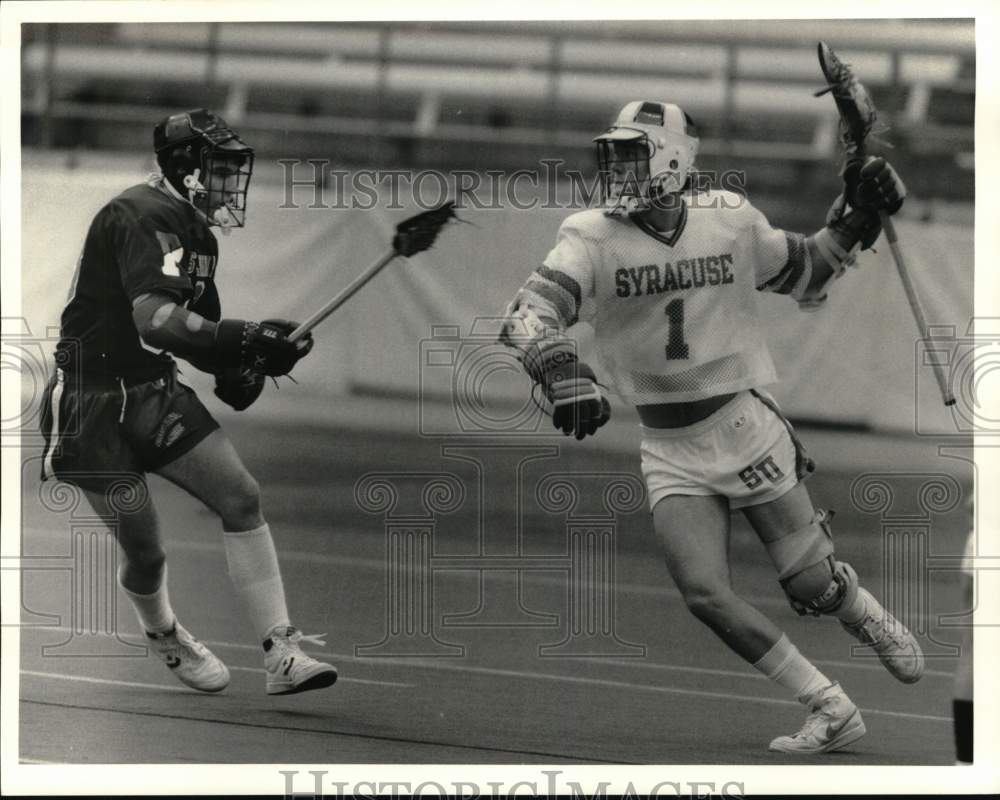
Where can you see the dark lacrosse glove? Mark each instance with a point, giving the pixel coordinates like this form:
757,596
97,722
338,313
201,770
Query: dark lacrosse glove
239,387
856,225
873,185
260,346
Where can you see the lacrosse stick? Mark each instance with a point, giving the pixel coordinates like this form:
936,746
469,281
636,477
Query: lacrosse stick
413,235
858,116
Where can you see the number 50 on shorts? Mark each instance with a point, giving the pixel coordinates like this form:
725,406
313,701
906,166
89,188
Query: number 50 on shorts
754,475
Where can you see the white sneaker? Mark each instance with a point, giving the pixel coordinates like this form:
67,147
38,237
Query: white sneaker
289,670
191,662
833,722
896,647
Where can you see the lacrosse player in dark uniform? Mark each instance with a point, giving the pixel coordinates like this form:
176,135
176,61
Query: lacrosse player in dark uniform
144,290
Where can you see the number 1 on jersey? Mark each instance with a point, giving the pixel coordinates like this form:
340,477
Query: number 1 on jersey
676,346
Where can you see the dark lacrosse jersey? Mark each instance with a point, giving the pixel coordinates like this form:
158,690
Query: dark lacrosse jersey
143,241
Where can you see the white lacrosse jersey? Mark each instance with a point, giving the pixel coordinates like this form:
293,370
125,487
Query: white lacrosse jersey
675,315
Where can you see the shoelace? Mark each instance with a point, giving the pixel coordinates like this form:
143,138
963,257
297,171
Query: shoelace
297,636
184,640
891,632
809,726
312,638
894,633
816,717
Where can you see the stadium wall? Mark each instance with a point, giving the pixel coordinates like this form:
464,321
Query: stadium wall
857,362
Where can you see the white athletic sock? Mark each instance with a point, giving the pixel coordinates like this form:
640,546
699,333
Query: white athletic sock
153,610
856,611
787,667
253,568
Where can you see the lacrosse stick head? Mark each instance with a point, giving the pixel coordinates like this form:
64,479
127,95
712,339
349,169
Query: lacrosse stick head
858,115
416,234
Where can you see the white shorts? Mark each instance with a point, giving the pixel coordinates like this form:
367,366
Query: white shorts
746,451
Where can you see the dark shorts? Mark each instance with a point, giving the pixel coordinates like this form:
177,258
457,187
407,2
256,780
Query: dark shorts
95,431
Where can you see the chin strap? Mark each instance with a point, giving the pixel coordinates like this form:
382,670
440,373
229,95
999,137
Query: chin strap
193,185
222,217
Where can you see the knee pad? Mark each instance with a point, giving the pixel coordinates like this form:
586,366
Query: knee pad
800,549
842,590
805,548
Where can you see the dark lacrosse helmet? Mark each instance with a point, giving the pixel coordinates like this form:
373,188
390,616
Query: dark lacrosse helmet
206,163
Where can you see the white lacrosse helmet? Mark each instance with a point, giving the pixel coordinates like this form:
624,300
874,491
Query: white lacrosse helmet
648,151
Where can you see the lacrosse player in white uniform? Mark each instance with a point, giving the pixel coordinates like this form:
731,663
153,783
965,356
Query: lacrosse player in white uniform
667,280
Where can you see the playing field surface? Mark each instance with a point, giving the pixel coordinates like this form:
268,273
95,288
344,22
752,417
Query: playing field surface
490,682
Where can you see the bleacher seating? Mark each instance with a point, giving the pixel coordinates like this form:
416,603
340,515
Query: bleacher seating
492,95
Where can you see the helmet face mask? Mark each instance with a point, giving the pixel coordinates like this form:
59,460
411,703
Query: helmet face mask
206,163
623,166
222,196
645,157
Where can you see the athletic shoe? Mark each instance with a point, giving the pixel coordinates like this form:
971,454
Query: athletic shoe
289,670
897,649
193,663
833,722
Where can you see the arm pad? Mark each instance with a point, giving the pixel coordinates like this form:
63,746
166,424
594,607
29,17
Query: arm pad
261,346
164,324
834,248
